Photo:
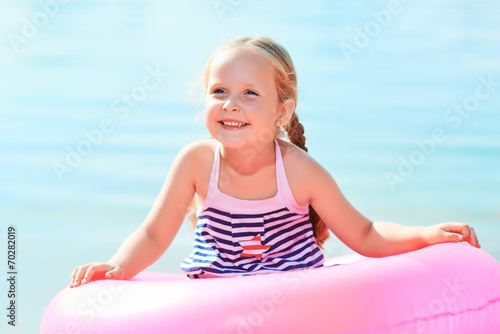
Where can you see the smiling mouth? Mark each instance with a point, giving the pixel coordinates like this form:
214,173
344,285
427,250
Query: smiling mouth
233,124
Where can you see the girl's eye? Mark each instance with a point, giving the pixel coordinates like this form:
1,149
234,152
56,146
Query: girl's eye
218,91
251,92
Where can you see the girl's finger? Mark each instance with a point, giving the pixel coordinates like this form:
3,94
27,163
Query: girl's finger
72,277
90,272
466,231
73,273
115,273
79,274
473,238
455,227
453,237
111,274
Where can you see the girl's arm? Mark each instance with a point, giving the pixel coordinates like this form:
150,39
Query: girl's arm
146,245
400,239
374,239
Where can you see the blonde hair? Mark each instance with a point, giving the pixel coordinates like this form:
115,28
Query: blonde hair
286,81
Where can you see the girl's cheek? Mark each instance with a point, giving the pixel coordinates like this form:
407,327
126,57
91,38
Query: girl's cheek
211,115
211,104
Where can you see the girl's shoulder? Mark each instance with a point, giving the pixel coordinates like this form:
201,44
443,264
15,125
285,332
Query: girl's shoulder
201,146
194,162
198,152
303,173
295,158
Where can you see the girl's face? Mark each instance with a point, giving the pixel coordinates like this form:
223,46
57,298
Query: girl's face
241,103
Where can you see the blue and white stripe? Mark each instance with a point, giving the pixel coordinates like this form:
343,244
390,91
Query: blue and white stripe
217,251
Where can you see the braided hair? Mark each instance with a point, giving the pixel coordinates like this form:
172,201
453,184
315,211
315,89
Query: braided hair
295,133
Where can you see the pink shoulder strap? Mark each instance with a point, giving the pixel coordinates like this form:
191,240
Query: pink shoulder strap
213,188
283,187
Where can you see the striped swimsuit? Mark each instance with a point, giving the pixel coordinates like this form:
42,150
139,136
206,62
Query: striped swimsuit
236,237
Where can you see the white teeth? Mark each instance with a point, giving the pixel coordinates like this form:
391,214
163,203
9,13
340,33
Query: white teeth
235,124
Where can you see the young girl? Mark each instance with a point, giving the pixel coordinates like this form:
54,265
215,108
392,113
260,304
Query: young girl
263,204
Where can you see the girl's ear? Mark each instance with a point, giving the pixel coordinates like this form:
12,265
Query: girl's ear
285,112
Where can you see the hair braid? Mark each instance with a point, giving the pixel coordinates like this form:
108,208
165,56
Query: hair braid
295,132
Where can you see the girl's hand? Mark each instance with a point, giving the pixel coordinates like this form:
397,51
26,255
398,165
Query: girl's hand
96,270
450,232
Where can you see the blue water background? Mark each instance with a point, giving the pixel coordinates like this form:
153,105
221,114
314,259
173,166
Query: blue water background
364,115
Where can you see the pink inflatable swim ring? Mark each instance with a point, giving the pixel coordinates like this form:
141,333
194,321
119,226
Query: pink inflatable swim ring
445,288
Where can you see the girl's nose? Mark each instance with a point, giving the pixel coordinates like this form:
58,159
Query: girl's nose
231,105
